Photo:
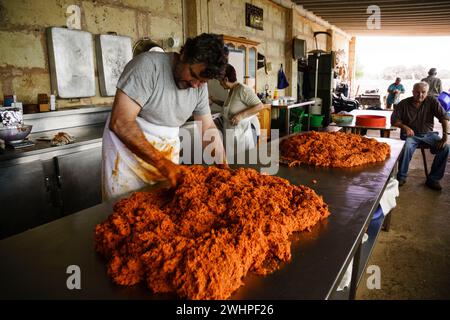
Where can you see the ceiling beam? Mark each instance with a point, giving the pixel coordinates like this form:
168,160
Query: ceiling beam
421,18
389,5
365,2
403,26
363,11
396,29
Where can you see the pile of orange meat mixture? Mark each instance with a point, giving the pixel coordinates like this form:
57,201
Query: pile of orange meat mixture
332,149
201,239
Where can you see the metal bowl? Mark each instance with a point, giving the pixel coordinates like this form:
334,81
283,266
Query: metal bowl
342,119
15,134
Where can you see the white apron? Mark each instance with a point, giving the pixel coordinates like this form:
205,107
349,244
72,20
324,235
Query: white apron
123,171
242,132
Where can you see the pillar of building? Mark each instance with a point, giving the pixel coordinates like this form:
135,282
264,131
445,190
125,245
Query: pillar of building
352,66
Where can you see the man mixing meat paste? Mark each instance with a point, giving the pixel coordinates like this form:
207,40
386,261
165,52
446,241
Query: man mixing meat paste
156,93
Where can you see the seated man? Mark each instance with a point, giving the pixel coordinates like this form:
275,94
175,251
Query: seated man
415,117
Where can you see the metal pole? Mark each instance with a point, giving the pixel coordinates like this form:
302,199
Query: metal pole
315,88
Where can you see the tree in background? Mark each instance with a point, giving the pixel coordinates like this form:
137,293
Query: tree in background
359,69
415,72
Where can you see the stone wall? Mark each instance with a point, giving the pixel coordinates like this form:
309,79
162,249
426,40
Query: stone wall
24,68
281,25
229,18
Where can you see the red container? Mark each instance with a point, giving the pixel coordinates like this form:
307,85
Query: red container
370,121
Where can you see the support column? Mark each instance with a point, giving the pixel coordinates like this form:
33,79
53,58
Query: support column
330,40
291,64
196,17
352,66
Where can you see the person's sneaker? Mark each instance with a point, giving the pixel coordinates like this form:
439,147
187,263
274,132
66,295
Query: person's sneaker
435,185
401,182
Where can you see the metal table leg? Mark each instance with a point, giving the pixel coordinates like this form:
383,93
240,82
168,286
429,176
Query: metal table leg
288,121
387,222
385,133
354,281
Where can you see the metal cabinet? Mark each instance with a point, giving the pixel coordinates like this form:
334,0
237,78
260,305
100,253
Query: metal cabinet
324,81
25,197
41,189
79,180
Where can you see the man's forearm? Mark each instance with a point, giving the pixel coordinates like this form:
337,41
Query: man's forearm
399,124
132,136
218,145
444,129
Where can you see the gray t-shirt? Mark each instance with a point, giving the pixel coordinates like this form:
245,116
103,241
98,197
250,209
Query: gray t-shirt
421,119
240,98
148,80
435,85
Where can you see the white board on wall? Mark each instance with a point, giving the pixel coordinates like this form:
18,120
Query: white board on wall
71,60
113,53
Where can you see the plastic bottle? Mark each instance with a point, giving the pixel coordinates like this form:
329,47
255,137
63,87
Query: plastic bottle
52,102
275,95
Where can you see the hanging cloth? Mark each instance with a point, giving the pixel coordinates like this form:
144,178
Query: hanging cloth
282,81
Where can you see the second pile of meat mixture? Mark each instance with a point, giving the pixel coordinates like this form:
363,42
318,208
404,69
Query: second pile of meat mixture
336,149
201,239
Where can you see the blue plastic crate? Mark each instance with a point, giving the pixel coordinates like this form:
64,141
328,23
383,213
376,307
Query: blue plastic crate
444,99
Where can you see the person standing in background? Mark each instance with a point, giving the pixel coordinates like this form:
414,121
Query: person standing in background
394,91
434,83
239,110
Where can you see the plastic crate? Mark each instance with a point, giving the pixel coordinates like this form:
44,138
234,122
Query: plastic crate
444,100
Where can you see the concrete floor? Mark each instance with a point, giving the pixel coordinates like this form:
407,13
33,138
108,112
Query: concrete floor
414,255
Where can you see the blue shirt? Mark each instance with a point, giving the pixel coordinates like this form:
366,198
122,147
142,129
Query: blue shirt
393,98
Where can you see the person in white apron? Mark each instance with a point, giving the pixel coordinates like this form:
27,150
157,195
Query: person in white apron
239,110
156,93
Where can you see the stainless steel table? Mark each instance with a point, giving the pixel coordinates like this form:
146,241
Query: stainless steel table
34,263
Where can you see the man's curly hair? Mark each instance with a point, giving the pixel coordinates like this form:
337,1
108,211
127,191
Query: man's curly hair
207,48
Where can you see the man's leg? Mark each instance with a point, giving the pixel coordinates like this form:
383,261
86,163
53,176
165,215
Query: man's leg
411,144
440,158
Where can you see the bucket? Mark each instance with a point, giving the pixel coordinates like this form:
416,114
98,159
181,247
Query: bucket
297,128
316,120
316,108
